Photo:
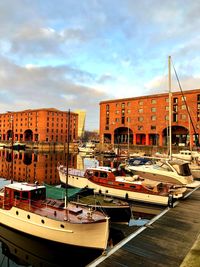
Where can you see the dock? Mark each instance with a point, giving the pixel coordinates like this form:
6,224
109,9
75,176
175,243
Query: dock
164,242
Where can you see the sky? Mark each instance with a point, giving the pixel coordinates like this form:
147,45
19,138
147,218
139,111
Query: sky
71,54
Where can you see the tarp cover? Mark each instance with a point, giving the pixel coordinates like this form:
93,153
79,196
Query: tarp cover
59,192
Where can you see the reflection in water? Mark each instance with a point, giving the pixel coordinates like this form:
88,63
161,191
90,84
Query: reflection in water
22,250
33,166
42,166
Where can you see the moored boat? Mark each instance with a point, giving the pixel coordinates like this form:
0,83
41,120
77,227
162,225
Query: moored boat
165,170
24,207
117,210
116,183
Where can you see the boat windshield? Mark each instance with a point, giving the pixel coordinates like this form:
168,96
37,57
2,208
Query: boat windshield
184,170
163,166
38,194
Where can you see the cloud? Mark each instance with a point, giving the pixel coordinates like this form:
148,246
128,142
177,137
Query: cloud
63,55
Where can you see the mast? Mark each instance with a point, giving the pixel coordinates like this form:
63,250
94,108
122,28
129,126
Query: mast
170,108
12,143
67,163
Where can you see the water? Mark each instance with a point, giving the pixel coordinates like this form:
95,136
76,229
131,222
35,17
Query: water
18,249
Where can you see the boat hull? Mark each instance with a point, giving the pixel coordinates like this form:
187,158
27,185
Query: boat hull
87,235
83,182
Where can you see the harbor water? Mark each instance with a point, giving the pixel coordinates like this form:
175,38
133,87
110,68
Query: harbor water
18,249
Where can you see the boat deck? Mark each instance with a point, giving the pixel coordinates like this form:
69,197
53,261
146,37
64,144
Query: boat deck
54,209
165,241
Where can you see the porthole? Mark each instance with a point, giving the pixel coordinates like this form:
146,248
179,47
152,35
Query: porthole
28,216
62,226
42,221
17,212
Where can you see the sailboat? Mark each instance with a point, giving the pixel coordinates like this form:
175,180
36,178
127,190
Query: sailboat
167,169
26,208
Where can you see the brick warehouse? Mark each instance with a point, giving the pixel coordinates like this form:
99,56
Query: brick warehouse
38,125
145,120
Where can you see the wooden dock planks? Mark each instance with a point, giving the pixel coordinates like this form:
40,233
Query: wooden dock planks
166,242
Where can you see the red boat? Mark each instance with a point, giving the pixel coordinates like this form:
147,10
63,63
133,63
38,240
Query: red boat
117,183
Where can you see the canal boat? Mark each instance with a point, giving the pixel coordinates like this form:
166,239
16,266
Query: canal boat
25,207
116,183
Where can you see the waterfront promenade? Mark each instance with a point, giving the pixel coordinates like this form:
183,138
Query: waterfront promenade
169,240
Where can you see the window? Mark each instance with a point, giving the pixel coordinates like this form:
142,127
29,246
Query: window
175,117
128,104
140,103
198,116
183,98
183,117
140,118
167,100
153,127
167,108
140,127
107,107
116,111
175,108
175,100
153,118
140,110
153,109
129,111
183,107
198,98
123,105
166,117
153,101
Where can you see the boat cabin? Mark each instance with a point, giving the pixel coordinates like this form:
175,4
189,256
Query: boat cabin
103,173
21,192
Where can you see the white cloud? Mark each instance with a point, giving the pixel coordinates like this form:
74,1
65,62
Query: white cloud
64,55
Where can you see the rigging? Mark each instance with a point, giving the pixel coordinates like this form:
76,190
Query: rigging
195,133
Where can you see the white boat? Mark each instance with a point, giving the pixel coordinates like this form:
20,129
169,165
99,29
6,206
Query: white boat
187,155
115,183
87,148
165,170
24,207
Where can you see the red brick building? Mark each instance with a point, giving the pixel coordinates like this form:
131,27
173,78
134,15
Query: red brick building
145,120
38,125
